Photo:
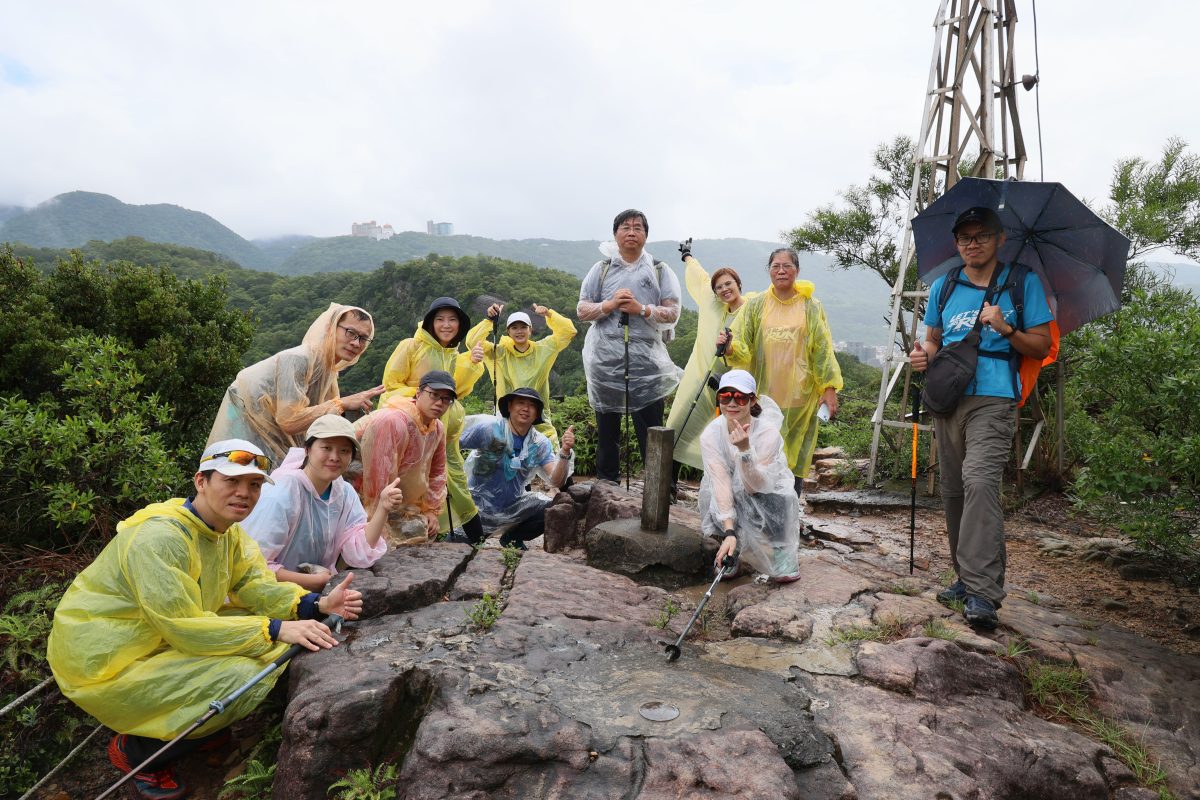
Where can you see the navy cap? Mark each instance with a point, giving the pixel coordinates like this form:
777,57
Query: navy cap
982,215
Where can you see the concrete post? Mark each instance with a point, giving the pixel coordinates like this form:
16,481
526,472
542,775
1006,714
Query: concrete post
656,497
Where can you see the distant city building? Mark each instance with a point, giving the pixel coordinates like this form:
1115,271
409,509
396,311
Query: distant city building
867,354
439,228
372,230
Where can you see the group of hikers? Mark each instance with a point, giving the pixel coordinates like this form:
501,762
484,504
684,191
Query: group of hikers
193,596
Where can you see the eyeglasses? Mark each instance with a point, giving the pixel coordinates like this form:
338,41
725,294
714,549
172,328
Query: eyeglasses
983,238
355,336
725,398
439,397
782,267
631,228
242,458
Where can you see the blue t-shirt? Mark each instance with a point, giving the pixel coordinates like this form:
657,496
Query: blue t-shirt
993,376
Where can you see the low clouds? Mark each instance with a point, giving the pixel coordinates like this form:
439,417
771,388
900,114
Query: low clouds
525,119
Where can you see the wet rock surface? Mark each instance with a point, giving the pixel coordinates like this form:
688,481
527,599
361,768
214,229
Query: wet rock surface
830,688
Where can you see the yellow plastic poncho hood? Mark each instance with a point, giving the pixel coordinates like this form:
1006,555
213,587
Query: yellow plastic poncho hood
143,639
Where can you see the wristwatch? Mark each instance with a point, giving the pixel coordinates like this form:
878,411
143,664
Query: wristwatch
646,311
1011,330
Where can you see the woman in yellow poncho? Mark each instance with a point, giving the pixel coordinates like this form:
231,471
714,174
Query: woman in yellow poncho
522,363
273,402
719,300
782,338
434,345
179,610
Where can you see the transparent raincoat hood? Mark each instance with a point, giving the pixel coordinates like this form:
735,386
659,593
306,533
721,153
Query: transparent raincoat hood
273,402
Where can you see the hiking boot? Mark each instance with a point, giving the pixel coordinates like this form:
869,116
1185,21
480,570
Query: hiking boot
158,785
785,567
954,593
980,613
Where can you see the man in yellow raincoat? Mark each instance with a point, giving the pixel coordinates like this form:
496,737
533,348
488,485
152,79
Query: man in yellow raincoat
434,346
178,610
519,362
273,402
783,340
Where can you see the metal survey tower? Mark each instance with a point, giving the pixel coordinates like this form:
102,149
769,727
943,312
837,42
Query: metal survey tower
969,120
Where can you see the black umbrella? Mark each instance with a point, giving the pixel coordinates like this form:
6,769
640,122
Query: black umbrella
1079,257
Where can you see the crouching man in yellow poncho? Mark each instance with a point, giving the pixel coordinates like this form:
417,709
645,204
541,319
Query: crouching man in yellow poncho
178,610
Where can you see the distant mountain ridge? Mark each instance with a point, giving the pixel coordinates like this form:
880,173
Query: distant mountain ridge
75,218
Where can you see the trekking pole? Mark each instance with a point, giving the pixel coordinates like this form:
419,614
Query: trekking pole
219,706
625,421
703,385
912,511
495,362
727,565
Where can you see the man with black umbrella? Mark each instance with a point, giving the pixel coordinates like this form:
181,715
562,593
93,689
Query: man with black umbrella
975,438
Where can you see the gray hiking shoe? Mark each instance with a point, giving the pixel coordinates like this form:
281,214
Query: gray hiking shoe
954,593
980,613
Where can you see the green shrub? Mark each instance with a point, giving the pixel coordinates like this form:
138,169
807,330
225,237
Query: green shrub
483,615
76,466
365,784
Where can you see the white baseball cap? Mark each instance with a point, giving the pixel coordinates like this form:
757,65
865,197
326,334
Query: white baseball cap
740,380
235,457
518,316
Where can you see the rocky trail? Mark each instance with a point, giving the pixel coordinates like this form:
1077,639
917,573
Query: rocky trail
851,683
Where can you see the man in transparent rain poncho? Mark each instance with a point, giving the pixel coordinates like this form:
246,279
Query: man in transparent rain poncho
506,452
272,403
747,498
632,301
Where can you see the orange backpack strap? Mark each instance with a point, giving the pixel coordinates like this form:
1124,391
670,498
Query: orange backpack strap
1030,367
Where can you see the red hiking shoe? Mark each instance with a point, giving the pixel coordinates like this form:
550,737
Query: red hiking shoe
159,785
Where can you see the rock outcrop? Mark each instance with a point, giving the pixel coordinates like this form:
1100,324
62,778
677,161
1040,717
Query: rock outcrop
851,683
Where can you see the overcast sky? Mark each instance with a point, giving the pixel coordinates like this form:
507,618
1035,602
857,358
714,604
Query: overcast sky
540,119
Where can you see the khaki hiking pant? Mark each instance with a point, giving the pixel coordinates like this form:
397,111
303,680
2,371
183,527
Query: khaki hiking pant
974,443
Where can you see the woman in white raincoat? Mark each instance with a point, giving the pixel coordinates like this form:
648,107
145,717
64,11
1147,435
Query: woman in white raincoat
311,516
719,300
746,496
273,402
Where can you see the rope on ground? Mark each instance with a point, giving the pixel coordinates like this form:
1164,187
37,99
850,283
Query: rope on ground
61,764
26,696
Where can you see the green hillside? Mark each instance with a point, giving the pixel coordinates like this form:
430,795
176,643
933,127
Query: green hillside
75,218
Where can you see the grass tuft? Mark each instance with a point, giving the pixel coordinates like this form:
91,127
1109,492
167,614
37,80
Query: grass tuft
484,613
888,629
938,629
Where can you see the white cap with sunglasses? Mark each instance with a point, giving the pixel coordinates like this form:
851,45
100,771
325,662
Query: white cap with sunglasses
739,380
235,457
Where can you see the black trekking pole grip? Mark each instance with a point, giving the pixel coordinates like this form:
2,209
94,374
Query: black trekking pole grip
723,347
